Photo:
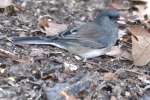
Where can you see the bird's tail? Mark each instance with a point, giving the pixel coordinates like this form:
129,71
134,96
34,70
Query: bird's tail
39,41
31,40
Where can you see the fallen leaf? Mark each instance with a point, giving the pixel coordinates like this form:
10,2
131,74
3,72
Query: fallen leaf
38,52
25,60
144,79
12,78
127,94
143,7
141,11
5,3
10,7
120,53
113,98
139,0
49,27
67,97
140,45
2,70
120,4
110,76
147,12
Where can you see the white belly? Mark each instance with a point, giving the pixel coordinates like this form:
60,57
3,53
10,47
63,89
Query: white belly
93,53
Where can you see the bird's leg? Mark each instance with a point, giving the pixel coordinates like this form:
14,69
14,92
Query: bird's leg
78,57
84,59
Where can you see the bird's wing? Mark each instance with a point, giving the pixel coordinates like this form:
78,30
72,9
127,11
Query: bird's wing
78,41
58,42
87,30
104,32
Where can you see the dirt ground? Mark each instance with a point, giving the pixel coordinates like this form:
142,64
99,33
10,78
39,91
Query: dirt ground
50,73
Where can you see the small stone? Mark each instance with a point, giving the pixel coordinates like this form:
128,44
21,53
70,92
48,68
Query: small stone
70,67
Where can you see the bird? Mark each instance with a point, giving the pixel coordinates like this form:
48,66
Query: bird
89,40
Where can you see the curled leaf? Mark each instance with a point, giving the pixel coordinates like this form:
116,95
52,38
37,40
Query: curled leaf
140,45
49,27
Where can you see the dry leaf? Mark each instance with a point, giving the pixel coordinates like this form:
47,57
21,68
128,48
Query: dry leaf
12,78
25,60
144,79
140,45
38,52
141,11
10,7
120,4
67,97
110,76
120,53
2,70
139,0
5,3
148,9
143,8
49,27
113,98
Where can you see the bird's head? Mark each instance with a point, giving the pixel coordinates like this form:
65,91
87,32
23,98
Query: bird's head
111,13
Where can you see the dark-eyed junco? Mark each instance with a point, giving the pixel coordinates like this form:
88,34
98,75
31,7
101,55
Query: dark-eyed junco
89,40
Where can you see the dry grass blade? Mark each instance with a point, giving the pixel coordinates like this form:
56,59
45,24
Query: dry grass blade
7,54
14,57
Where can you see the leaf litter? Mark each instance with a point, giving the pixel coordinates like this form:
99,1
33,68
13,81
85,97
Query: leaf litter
49,73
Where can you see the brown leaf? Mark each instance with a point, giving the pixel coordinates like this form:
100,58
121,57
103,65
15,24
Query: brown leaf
120,4
25,60
148,9
141,11
143,7
38,52
113,98
67,97
5,3
140,45
120,53
139,0
110,76
49,27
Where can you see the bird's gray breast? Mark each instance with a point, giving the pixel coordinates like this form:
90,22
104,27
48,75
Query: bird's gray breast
108,31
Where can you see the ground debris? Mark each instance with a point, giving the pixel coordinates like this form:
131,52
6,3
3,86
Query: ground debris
32,72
